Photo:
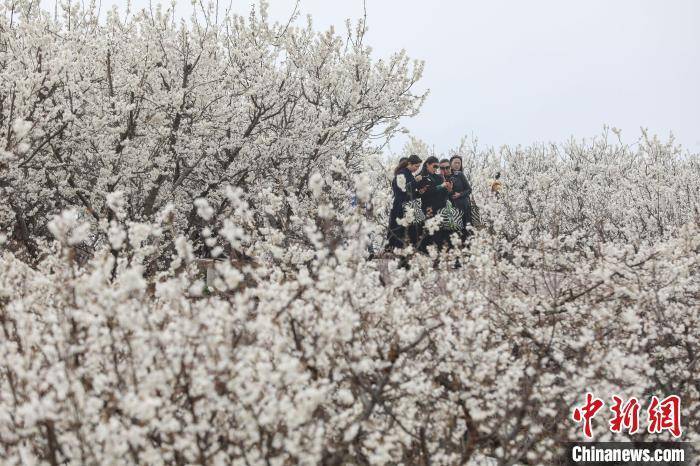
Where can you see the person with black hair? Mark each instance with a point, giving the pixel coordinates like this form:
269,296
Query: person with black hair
434,192
453,220
404,185
435,189
461,192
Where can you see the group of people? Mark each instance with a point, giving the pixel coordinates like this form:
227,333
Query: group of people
439,188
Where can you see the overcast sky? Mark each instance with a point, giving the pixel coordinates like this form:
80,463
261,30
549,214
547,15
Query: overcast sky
523,71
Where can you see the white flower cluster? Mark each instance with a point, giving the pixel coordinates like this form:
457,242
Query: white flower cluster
401,182
432,225
316,184
68,228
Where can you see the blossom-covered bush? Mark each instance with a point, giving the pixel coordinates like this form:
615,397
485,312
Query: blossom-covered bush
316,354
167,113
305,348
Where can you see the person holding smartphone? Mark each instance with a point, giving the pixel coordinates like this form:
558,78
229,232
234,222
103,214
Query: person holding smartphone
404,187
434,191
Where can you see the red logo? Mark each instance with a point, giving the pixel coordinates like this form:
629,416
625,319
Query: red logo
665,415
587,412
661,414
625,416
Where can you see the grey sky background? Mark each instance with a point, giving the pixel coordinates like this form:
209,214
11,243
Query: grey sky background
523,71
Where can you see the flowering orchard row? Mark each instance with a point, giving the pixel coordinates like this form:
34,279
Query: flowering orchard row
318,355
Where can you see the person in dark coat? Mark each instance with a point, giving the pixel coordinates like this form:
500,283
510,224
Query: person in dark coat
404,185
461,193
434,192
446,172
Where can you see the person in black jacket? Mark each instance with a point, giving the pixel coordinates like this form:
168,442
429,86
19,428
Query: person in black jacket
434,192
446,172
461,192
404,185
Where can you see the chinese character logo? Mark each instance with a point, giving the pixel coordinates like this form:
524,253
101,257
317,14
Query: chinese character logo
665,415
661,415
587,412
626,416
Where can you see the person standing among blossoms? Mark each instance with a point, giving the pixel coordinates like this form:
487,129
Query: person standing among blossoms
435,191
461,192
404,187
496,184
446,173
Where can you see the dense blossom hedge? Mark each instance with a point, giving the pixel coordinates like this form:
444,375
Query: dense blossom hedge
318,354
308,349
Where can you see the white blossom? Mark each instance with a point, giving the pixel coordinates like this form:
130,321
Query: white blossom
316,184
117,235
363,188
21,128
433,224
68,229
401,182
204,210
116,203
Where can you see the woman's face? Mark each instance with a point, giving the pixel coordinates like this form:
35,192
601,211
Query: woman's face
413,167
456,165
432,168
